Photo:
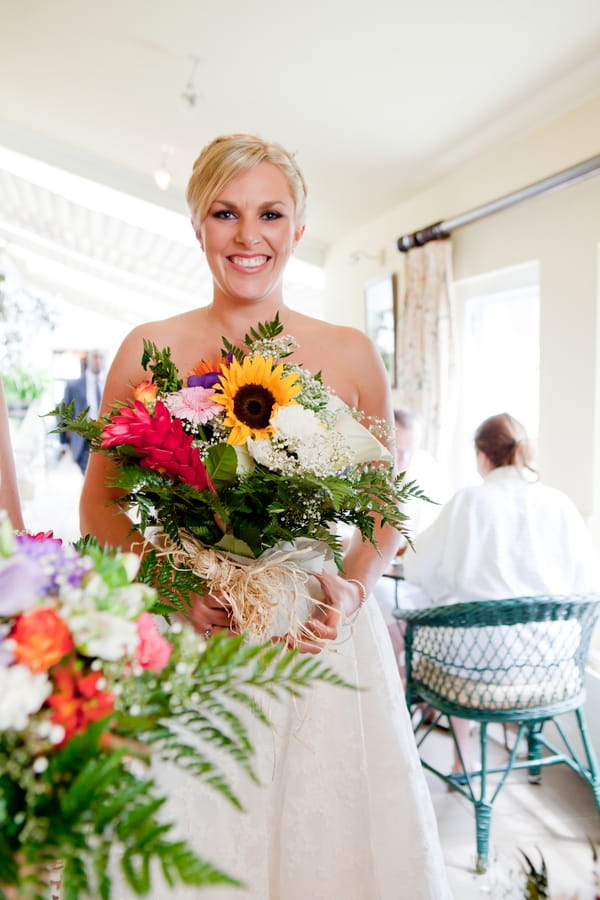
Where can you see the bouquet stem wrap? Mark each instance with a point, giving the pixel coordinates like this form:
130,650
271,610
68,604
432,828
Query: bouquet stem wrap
269,596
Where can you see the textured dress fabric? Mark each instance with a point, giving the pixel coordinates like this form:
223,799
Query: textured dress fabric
342,809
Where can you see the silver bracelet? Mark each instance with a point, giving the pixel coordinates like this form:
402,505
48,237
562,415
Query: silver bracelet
363,597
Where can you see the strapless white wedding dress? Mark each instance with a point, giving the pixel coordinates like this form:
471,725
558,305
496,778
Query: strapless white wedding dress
342,811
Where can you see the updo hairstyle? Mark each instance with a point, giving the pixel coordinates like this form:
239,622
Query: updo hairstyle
231,155
504,441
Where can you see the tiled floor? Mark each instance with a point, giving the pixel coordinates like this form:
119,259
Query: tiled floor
554,819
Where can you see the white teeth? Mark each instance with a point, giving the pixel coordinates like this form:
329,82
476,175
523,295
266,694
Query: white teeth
249,262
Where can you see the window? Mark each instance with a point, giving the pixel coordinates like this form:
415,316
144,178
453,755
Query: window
498,355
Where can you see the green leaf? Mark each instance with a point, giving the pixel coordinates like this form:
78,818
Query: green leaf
221,465
232,544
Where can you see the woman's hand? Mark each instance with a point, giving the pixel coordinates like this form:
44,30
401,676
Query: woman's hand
209,614
322,627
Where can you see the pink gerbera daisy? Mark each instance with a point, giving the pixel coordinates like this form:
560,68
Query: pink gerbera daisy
195,404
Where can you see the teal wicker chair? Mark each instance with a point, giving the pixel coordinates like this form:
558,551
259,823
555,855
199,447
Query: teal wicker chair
520,660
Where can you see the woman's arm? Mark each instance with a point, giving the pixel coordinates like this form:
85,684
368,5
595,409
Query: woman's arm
9,494
98,514
362,560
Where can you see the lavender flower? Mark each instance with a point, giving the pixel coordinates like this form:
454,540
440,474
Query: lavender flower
21,582
60,563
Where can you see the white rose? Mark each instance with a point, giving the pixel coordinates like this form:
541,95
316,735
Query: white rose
295,423
21,694
262,451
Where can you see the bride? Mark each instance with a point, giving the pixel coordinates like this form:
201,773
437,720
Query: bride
342,809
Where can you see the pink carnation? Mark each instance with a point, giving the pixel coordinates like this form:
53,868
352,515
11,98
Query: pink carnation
194,404
153,650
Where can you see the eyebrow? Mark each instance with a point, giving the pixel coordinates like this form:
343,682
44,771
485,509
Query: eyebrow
269,204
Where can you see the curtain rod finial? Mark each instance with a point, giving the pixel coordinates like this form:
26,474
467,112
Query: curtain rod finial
433,232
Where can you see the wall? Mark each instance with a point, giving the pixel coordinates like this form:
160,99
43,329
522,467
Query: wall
562,231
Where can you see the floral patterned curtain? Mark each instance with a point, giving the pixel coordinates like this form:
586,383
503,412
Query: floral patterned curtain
425,355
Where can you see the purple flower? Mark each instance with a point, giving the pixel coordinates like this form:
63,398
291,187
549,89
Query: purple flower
22,580
206,381
60,563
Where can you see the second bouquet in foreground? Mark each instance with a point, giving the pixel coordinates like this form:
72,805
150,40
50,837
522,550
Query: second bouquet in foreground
240,470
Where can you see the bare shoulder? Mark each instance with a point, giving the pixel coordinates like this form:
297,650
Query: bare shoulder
314,336
308,326
176,333
167,331
349,362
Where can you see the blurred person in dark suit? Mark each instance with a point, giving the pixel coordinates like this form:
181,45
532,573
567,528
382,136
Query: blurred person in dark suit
86,394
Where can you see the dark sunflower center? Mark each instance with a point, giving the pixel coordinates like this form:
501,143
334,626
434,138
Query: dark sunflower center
253,405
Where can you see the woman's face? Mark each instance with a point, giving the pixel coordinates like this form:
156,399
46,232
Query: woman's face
249,233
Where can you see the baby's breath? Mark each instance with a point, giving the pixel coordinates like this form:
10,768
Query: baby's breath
277,347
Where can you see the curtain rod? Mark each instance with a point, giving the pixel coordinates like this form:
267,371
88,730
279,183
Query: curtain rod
440,230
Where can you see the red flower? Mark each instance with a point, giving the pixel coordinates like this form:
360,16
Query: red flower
77,701
44,536
161,440
41,638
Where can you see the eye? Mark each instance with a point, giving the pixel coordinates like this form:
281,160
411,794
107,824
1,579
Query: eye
223,214
271,214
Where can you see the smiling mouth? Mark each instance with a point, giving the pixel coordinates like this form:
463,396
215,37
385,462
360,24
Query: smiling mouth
248,262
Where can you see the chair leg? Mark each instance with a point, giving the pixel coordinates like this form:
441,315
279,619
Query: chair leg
594,773
483,809
534,752
483,818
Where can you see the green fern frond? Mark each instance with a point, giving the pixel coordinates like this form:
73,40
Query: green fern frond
68,421
264,331
164,371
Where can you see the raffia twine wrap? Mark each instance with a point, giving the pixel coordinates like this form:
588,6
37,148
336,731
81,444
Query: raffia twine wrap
272,595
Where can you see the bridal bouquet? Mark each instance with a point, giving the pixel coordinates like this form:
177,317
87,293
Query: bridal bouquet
89,692
239,470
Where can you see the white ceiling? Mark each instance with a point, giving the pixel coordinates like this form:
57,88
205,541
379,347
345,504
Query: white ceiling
377,99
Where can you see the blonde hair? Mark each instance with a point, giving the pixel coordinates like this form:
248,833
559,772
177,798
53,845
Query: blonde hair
231,155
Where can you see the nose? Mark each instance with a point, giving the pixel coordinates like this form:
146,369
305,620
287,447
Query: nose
247,232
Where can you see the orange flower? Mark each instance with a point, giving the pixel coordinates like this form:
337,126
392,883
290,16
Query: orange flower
145,392
41,638
77,701
204,367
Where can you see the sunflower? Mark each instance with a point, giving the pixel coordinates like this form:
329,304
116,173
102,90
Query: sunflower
253,391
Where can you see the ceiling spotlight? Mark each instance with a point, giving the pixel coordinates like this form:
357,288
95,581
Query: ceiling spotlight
162,174
189,98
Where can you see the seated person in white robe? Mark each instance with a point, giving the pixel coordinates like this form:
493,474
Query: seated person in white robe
510,536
